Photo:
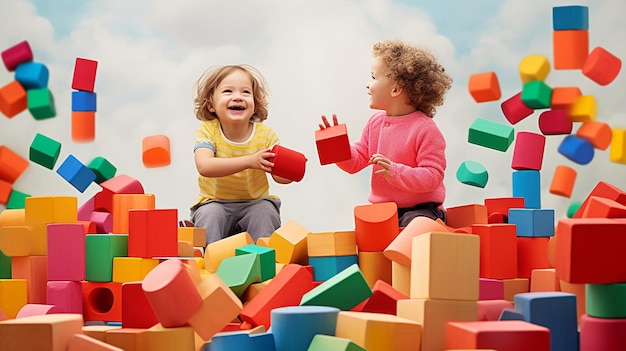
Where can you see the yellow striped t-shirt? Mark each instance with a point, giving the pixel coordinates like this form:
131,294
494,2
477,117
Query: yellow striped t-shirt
248,184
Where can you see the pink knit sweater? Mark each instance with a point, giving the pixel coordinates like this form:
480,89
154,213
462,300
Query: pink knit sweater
416,148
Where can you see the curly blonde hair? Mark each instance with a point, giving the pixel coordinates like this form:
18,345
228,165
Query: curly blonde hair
417,73
207,83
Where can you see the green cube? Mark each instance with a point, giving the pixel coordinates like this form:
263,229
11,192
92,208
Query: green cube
267,259
44,151
491,134
238,272
102,168
41,103
100,251
17,200
536,94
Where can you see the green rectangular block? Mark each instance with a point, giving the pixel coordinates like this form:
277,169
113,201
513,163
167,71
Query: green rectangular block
100,251
344,291
490,134
5,266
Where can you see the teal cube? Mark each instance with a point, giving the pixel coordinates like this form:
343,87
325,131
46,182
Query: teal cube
102,168
41,103
100,251
472,173
267,259
44,151
536,94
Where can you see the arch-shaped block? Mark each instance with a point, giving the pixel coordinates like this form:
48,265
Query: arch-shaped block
155,151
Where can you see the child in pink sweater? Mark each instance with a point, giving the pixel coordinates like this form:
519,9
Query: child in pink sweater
402,143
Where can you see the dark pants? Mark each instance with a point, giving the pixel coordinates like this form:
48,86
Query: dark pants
431,210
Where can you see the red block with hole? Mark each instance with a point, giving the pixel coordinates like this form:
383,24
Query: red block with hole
102,301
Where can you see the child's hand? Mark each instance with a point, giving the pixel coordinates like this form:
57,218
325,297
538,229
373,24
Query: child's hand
260,160
383,162
325,122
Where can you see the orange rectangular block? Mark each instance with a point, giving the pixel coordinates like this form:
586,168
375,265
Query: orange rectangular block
434,315
484,87
375,266
379,331
466,215
532,253
515,286
570,48
80,342
50,332
564,97
400,277
499,335
498,250
544,280
128,339
153,233
331,244
196,236
12,99
35,270
83,126
458,255
122,203
168,339
590,250
12,165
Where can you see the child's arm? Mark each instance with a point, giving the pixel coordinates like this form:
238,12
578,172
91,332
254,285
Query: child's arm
212,167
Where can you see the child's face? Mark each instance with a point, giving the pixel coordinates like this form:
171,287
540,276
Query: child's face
380,87
233,99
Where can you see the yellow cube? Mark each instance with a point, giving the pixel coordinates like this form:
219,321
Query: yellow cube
290,243
331,244
584,109
534,67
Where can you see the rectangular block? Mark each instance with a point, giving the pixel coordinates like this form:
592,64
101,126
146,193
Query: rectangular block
66,251
35,270
341,243
499,335
531,222
12,296
50,332
101,249
532,253
123,203
490,134
65,295
458,255
84,77
498,250
466,215
153,233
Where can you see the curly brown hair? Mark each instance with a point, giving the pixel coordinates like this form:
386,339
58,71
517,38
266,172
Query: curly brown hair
417,73
207,83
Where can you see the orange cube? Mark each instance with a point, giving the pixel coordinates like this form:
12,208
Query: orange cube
12,165
12,99
484,87
564,97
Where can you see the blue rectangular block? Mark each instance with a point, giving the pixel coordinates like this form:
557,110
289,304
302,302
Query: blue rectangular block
76,173
555,311
32,75
327,267
226,341
83,101
574,17
527,184
530,222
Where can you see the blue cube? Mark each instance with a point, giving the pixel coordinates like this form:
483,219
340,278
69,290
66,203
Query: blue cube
534,223
32,75
574,17
76,173
83,101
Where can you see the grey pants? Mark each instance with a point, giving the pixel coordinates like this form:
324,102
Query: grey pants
222,218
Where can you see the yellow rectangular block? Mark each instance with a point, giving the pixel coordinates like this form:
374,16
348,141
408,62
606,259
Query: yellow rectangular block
122,203
216,251
617,151
584,109
401,278
196,236
375,266
50,332
515,286
132,269
445,266
168,339
80,342
331,244
379,331
290,243
13,296
16,240
434,315
39,211
128,339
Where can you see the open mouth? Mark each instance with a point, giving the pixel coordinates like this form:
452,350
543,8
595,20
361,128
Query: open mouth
236,108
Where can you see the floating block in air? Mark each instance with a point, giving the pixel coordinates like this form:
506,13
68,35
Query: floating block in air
555,122
472,173
602,66
490,134
484,87
534,67
571,17
576,149
515,109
